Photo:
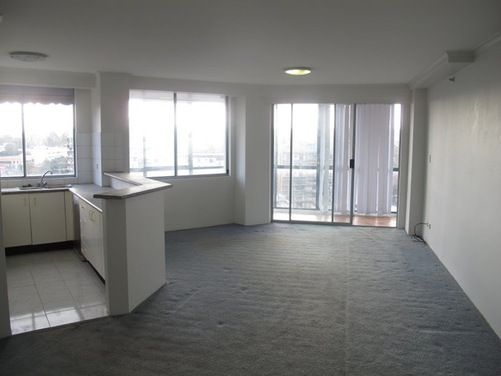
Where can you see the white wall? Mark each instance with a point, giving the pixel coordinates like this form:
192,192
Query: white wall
83,124
97,171
114,110
463,188
238,121
417,161
257,165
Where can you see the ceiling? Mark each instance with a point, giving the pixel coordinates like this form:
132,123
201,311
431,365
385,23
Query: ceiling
345,41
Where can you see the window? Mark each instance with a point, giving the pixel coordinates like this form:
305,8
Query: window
36,131
177,134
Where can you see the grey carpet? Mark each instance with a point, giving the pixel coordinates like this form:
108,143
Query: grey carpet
279,300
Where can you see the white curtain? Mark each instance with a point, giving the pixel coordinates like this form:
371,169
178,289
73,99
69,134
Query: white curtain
374,159
325,129
343,151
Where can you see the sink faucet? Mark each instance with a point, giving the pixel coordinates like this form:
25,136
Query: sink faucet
43,183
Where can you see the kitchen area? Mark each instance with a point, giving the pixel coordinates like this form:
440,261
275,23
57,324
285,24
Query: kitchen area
55,257
82,241
56,250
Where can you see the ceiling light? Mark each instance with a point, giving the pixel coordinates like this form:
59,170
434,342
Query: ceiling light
28,56
298,71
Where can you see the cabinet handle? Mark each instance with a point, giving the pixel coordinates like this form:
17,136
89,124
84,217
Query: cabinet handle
34,201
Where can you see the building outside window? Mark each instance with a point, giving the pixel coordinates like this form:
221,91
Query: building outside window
37,130
177,134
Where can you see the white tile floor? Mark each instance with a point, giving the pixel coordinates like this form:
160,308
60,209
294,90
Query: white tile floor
52,288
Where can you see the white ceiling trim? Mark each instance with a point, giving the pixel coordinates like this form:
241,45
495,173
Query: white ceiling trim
451,62
445,66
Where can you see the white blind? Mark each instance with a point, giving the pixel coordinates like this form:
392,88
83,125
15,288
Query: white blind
43,95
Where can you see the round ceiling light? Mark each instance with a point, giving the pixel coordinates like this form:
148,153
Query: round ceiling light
28,56
298,71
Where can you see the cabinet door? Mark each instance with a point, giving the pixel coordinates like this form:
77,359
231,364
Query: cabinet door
16,220
91,236
96,230
84,229
48,217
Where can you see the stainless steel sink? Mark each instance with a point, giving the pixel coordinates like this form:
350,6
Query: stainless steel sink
57,186
45,188
30,188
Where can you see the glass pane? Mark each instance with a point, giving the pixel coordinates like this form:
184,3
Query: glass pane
344,151
313,126
151,132
281,159
397,123
49,139
11,144
201,134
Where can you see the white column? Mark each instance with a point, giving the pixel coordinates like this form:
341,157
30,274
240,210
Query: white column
257,170
110,103
417,160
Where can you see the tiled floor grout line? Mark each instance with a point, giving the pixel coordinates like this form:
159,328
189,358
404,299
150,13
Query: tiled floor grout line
39,297
75,301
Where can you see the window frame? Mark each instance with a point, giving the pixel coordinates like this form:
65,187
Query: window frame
23,144
144,171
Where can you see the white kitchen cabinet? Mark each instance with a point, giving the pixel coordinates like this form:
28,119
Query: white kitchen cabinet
34,218
91,236
16,220
48,217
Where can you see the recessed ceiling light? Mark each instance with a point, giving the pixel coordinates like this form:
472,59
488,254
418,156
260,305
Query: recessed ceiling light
298,71
28,56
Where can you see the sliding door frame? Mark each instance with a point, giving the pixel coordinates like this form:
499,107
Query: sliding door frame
353,121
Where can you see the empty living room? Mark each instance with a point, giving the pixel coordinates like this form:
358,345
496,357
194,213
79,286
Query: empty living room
237,187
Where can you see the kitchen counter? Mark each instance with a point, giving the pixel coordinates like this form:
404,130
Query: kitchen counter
94,194
87,191
135,185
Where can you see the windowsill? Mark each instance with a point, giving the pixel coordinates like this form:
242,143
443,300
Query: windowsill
11,182
164,178
34,177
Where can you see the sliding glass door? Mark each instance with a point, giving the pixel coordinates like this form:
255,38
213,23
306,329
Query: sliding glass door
312,127
305,144
315,174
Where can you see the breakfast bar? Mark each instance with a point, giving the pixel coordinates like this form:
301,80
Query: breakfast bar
134,243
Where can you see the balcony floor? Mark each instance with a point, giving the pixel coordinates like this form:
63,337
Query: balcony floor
318,216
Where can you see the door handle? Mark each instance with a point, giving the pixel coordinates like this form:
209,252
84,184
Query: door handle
352,163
